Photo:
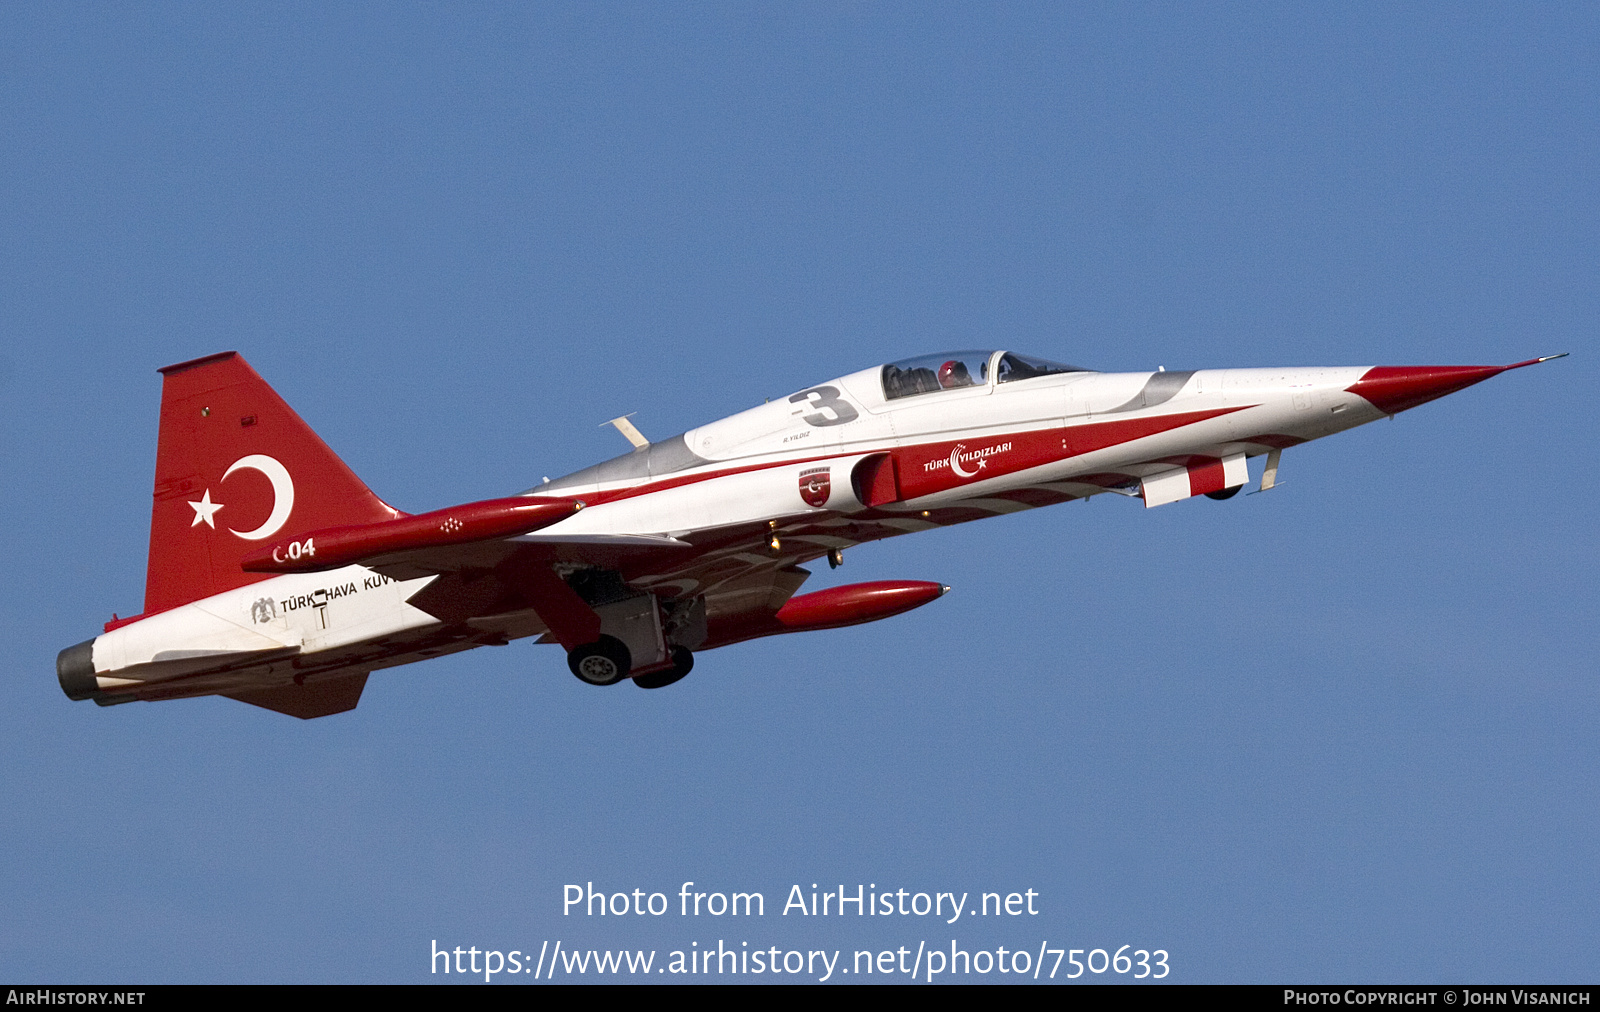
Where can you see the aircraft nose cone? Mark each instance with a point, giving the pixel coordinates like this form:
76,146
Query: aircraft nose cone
1394,388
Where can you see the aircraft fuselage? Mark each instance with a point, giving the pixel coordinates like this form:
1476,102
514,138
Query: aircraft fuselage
712,525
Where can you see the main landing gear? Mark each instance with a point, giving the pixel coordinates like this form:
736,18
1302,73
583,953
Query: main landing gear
607,662
639,636
1227,493
682,664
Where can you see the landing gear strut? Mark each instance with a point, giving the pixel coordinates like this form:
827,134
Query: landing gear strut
682,664
606,661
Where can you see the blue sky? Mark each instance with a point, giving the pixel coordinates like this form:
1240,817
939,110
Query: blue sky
1344,731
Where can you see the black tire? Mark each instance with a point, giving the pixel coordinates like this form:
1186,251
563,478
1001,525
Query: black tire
606,661
682,664
1227,493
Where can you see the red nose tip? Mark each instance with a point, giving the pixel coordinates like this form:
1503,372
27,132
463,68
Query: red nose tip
1393,388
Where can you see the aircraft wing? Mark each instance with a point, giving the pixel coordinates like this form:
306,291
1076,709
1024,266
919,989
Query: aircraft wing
733,567
495,577
493,568
608,551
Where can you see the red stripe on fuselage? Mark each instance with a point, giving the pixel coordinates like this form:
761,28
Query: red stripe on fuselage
926,468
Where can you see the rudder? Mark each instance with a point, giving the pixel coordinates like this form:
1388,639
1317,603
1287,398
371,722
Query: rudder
234,466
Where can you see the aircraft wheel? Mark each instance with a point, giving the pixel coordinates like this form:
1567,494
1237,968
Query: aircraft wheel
603,662
682,664
1227,493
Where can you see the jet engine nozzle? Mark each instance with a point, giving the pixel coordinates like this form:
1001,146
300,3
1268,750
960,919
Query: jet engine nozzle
75,670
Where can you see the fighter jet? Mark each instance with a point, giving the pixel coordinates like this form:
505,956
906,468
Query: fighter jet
277,578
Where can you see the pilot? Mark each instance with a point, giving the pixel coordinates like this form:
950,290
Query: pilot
954,374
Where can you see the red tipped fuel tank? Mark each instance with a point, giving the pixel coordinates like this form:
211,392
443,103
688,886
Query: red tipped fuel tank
851,604
333,547
856,602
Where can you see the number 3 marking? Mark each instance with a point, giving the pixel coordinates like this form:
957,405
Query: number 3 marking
828,399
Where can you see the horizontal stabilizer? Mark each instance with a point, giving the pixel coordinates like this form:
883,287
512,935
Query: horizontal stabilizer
315,699
169,664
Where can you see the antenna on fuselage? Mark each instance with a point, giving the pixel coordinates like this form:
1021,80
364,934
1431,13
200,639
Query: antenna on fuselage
629,432
1269,476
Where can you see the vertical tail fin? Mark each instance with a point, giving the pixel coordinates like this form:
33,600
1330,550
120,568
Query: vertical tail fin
235,465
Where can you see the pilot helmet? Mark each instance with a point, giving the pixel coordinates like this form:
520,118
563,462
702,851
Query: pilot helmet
954,374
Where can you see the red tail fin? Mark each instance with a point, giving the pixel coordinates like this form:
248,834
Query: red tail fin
234,466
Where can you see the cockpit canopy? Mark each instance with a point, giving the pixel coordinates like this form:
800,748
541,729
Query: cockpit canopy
952,370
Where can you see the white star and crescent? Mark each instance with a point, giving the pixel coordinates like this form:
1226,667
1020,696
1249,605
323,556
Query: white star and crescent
282,497
204,510
955,462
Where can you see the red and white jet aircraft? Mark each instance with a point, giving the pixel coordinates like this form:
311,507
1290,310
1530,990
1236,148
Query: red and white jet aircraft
276,577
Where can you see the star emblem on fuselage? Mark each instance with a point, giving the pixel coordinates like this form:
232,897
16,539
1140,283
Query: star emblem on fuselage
204,510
